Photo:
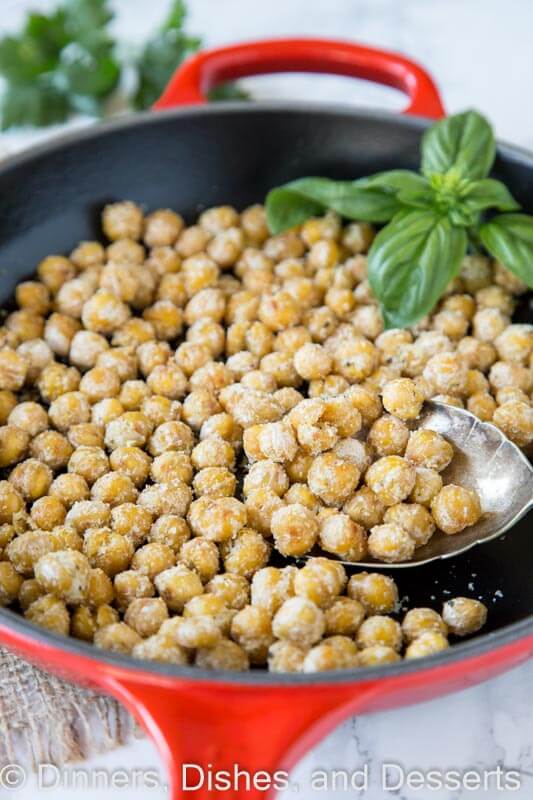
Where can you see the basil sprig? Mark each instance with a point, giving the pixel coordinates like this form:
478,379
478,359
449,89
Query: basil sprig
429,217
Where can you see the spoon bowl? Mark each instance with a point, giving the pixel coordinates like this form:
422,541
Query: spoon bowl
485,460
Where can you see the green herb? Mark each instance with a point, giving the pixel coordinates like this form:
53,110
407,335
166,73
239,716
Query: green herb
58,64
432,216
67,61
162,54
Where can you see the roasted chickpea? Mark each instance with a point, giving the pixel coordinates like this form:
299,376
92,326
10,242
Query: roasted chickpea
377,593
455,508
464,615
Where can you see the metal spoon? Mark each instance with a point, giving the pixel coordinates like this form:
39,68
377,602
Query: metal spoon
485,460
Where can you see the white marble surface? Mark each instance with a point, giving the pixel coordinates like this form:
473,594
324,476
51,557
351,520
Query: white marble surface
480,53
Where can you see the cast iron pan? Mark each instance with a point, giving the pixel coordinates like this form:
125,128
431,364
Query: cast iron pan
189,159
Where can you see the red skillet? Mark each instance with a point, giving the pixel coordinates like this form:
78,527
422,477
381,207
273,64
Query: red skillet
188,158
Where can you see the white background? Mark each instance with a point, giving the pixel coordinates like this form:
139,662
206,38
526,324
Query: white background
480,53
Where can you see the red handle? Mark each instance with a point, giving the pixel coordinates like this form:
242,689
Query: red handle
202,72
202,730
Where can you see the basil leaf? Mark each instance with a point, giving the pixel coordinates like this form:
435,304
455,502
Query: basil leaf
34,104
488,193
286,208
411,262
462,142
298,200
509,238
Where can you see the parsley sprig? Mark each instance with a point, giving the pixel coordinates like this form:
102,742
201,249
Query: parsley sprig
68,61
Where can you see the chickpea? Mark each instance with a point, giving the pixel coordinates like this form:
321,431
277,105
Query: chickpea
177,585
355,359
403,398
172,435
199,406
515,419
107,550
388,436
343,537
130,429
344,617
418,621
272,586
48,512
160,409
166,498
379,630
8,401
455,508
295,529
123,220
390,543
89,462
427,448
86,621
113,489
505,374
54,271
132,462
246,554
226,246
483,405
378,654
64,574
104,313
391,478
201,556
49,612
23,326
299,621
320,580
31,478
131,521
463,615
414,518
85,348
117,637
171,466
365,508
251,628
226,655
218,519
170,530
333,479
10,583
283,656
366,400
122,360
427,644
130,585
70,489
13,370
146,615
56,380
378,594
489,323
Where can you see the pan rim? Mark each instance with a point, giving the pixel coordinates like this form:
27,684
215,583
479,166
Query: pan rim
68,645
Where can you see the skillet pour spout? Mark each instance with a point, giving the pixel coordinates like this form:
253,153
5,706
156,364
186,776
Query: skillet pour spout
485,460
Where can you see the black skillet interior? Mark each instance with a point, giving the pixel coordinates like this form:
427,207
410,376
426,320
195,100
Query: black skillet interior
188,160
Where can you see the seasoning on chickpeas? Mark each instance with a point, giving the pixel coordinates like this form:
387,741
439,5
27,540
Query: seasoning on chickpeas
187,405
